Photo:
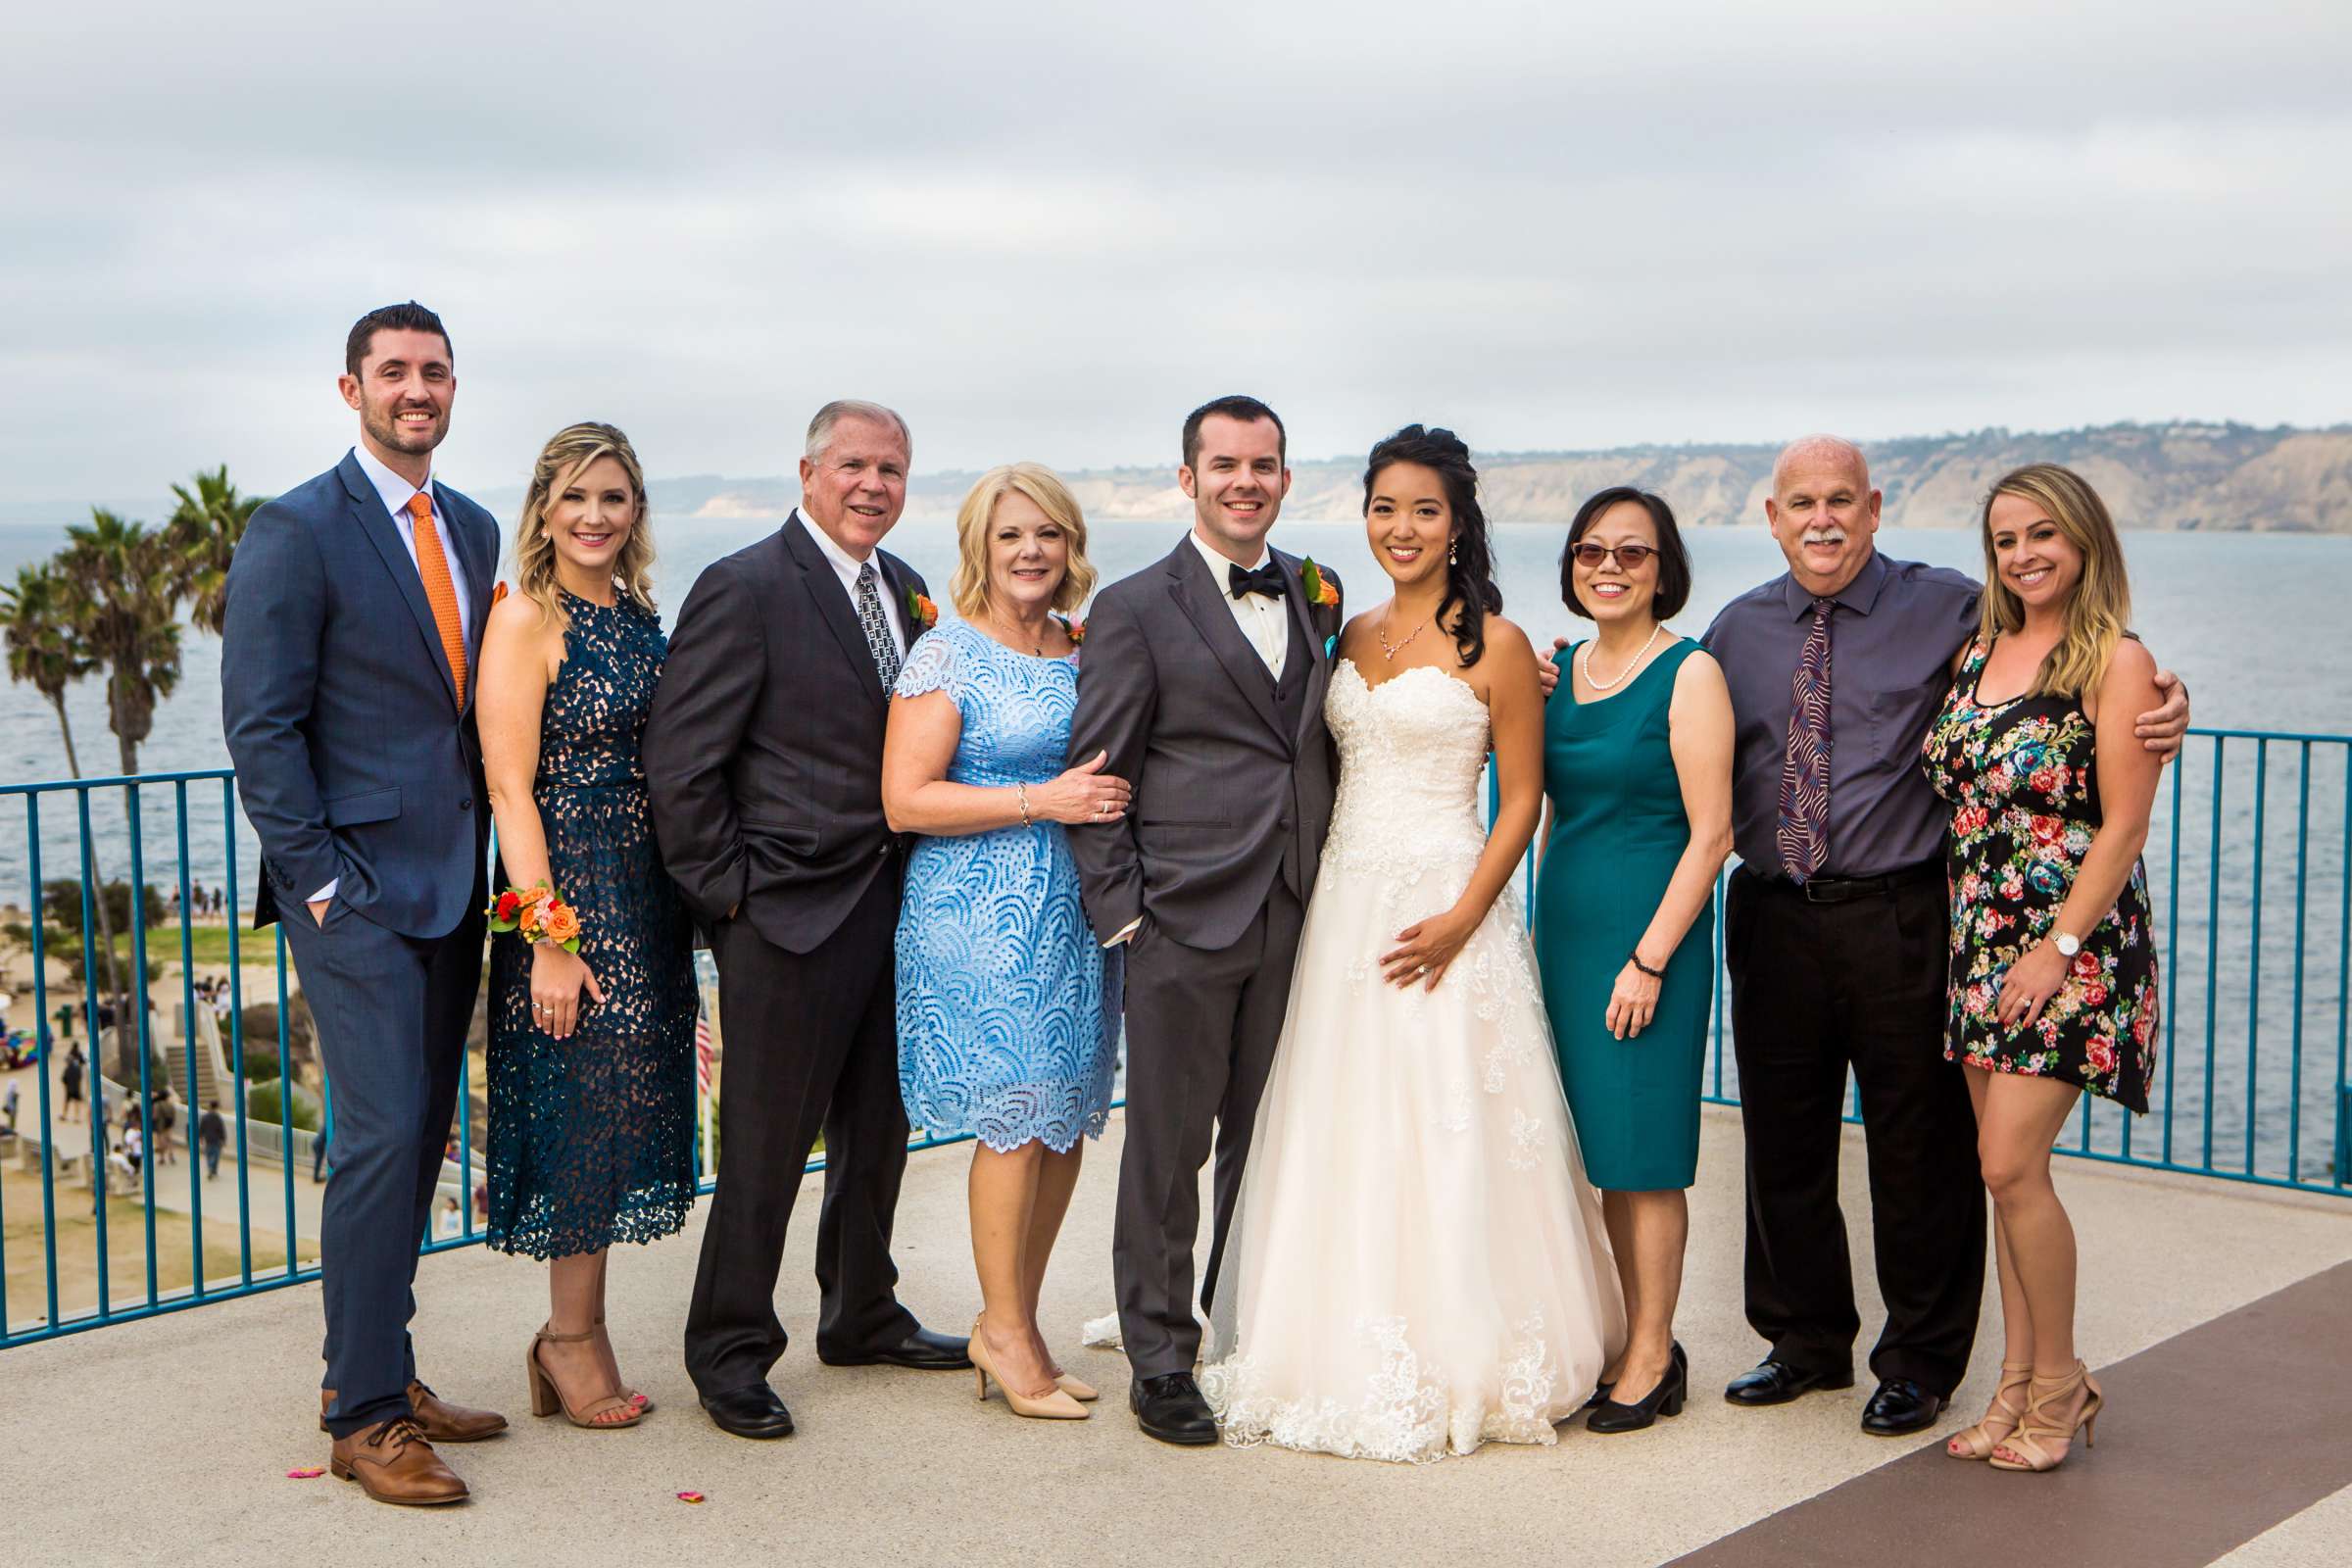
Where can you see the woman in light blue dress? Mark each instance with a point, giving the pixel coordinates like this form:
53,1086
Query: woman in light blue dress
1007,1008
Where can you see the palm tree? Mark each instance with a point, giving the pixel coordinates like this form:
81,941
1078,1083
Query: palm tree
45,618
128,580
205,529
131,579
43,650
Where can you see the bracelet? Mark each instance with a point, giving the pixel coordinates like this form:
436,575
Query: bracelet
1636,958
1021,792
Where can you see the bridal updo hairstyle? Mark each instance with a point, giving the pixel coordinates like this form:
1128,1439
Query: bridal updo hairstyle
565,457
1674,561
976,518
1470,554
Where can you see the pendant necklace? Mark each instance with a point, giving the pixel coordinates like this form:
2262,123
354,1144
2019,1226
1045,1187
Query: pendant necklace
1382,632
1601,685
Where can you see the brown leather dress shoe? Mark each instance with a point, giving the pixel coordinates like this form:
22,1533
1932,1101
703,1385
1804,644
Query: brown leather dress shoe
439,1420
393,1462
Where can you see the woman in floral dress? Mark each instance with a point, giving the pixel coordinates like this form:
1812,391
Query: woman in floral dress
2053,968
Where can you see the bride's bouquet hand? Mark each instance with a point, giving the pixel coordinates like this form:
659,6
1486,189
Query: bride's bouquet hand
1633,1002
1429,946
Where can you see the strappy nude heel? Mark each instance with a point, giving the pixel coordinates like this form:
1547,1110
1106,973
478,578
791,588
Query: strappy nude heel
2030,1441
645,1406
1058,1405
548,1399
1979,1439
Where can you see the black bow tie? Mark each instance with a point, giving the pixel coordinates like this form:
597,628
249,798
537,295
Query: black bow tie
1266,580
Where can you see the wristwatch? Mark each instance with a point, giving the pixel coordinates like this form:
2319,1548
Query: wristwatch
2066,945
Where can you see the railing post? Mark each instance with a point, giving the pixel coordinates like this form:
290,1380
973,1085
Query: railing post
97,1108
193,1115
236,1033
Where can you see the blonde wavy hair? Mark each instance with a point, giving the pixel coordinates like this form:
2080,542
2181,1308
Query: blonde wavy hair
2099,614
969,589
565,457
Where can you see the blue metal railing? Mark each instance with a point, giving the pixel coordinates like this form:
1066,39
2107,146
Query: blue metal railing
2257,948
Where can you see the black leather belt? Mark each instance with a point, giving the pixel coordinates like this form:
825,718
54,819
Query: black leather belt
1845,888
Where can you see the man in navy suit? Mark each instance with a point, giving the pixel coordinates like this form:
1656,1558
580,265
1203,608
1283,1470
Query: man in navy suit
356,602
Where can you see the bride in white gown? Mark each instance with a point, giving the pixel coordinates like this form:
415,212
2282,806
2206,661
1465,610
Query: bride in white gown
1417,1264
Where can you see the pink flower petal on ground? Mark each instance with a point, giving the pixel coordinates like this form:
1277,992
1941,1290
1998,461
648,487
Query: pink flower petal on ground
690,1496
308,1472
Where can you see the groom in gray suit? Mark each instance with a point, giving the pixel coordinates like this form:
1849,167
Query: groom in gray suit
1204,680
356,603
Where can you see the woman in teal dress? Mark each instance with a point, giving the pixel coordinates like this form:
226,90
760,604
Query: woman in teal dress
1638,774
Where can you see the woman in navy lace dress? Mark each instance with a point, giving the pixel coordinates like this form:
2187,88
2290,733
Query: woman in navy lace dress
591,1063
1007,1008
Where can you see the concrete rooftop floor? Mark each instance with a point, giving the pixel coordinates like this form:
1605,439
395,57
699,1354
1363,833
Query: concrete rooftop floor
168,1439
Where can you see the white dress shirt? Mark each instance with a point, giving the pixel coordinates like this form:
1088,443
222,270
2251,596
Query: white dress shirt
846,566
396,492
1264,621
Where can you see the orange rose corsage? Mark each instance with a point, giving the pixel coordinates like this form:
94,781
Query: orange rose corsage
921,613
537,913
1075,630
1320,590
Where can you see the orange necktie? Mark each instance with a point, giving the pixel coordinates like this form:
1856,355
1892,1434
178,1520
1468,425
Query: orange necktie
439,592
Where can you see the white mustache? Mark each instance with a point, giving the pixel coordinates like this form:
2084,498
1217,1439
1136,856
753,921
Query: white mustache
1823,536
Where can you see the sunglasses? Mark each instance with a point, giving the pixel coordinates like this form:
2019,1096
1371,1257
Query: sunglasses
1628,557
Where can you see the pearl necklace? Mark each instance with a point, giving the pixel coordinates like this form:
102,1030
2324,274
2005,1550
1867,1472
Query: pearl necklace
1611,685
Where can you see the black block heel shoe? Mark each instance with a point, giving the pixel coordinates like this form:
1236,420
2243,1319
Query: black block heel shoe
1664,1400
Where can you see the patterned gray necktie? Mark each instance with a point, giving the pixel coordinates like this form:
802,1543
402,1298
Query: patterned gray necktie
878,640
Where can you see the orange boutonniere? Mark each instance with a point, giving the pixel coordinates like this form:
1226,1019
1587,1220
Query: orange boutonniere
1320,590
498,592
538,913
921,613
1075,630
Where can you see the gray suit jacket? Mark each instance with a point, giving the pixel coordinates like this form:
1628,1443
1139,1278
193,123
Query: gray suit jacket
1224,790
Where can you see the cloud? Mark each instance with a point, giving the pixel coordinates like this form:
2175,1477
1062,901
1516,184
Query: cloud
1047,229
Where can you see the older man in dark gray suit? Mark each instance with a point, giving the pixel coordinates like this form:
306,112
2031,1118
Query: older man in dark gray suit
1203,682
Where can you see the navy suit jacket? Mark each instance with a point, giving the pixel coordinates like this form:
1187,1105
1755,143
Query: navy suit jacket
355,762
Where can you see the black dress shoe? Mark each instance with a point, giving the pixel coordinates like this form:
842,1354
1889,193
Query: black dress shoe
1776,1383
751,1411
1601,1390
924,1351
1899,1408
1664,1400
1170,1407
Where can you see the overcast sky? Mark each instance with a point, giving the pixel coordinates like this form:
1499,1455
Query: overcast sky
1046,231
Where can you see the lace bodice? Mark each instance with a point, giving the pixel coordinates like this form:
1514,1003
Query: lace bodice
1412,751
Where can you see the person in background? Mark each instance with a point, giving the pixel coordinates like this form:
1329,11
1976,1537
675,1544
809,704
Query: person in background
8,1107
212,1135
70,1077
134,1141
1834,932
2053,985
1637,780
1007,1008
591,1056
163,1118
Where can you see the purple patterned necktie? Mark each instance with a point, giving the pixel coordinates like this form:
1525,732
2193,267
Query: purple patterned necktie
1805,830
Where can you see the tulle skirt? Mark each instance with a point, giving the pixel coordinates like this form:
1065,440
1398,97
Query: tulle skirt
1417,1264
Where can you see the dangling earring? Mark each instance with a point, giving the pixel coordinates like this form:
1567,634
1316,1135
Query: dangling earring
1453,550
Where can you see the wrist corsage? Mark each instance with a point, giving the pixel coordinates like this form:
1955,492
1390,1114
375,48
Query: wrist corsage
538,913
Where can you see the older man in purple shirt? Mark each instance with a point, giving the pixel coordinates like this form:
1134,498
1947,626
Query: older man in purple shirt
1835,929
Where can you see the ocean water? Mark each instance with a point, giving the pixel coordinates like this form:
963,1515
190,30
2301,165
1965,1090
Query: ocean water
2247,857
